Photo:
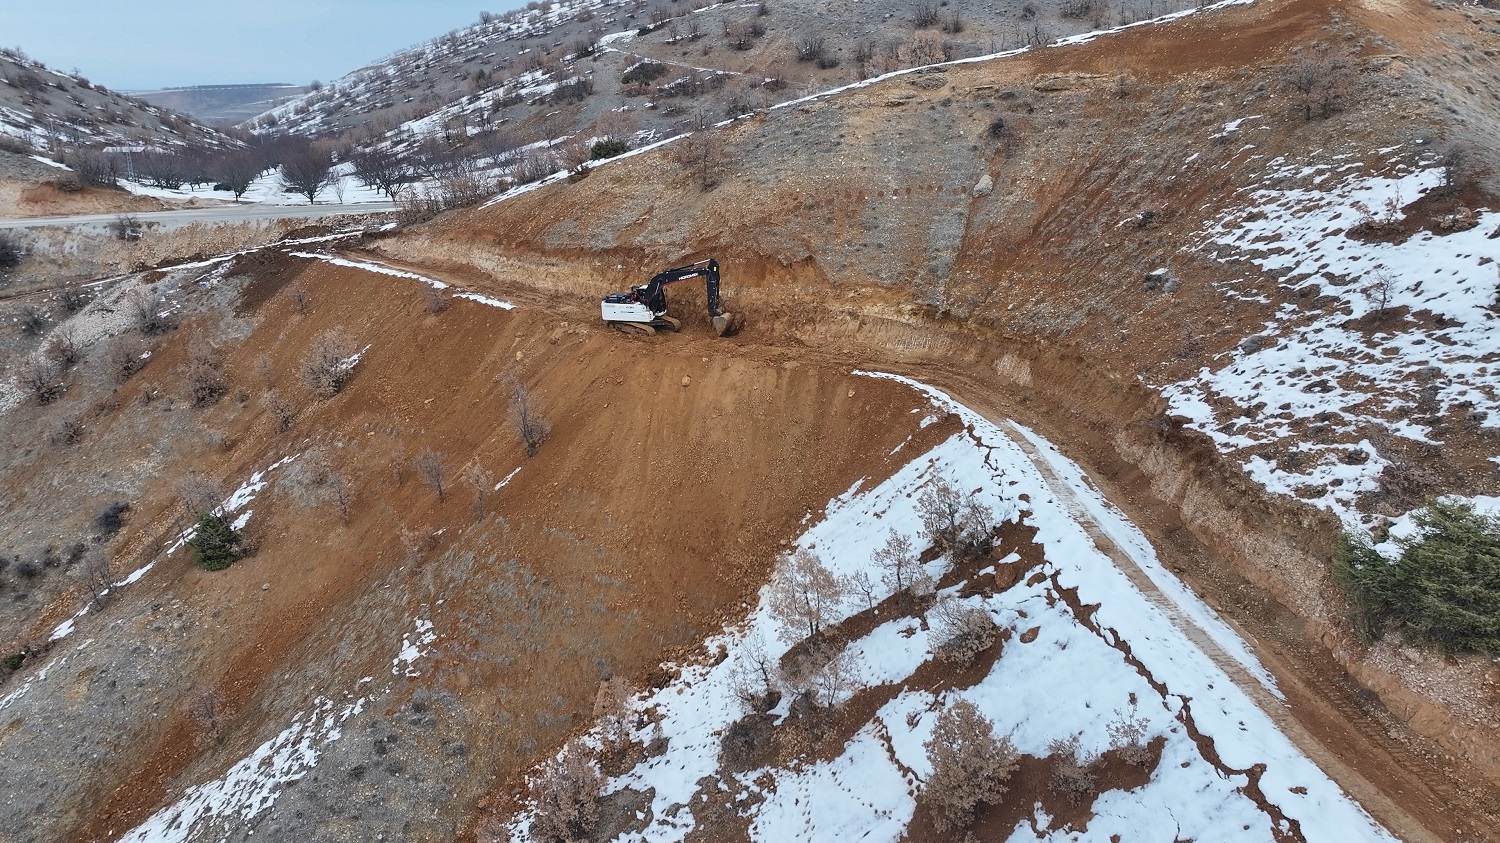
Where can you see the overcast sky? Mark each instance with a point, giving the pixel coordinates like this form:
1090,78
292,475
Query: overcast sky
166,43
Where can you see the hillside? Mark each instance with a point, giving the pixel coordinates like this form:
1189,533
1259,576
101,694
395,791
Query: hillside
1119,300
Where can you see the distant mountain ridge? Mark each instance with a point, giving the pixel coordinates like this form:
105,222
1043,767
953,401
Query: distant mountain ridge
224,104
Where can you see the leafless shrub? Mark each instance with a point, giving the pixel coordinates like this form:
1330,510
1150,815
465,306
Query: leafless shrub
754,677
149,311
205,708
299,299
1071,777
96,168
970,766
804,595
1321,77
900,570
74,299
703,156
925,15
482,481
41,379
810,46
963,632
417,543
957,524
313,480
1077,9
64,431
98,576
126,227
329,363
528,423
612,715
1382,287
430,469
1127,734
924,48
111,517
33,320
1456,163
124,356
565,794
437,301
198,494
282,412
204,376
61,349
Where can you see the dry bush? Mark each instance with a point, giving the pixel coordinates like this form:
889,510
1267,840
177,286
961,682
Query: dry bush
970,766
151,317
1320,77
804,595
41,379
281,410
64,431
417,543
299,299
205,708
204,376
565,793
124,356
429,468
925,15
1127,734
959,525
313,481
437,301
33,320
901,571
483,482
98,576
329,363
1072,777
755,678
963,632
528,423
703,156
198,494
126,227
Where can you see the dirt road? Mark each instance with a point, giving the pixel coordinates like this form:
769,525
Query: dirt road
221,213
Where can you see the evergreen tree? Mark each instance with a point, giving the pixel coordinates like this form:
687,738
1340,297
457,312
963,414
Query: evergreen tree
216,543
1443,589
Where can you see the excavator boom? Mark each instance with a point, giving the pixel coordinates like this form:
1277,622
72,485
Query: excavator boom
645,307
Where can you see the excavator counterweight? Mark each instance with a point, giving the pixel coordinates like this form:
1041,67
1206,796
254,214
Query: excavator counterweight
643,309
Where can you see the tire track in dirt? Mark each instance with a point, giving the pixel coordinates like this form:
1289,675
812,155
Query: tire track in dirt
1397,820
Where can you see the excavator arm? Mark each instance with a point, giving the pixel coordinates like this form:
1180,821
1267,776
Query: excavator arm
653,293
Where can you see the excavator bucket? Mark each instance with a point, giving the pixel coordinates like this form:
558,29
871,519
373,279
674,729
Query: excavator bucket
727,323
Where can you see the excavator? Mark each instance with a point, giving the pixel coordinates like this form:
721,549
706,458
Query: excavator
643,310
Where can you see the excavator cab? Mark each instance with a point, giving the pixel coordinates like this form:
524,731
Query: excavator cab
643,309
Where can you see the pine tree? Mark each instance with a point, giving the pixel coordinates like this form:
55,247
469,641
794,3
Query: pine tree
1443,589
216,542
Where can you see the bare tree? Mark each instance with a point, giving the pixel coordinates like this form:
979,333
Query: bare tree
804,595
329,363
204,375
1320,76
305,173
198,494
970,766
98,576
429,468
565,794
754,677
1380,291
1456,161
61,349
703,157
957,524
898,563
382,169
237,171
525,419
483,481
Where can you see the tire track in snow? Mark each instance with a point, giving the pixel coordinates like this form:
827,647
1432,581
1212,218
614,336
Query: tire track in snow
1396,818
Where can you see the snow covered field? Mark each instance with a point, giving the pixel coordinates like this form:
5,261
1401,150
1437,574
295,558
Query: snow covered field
1343,367
1063,673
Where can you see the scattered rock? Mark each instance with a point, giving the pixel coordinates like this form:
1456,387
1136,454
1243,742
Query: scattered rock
985,186
687,381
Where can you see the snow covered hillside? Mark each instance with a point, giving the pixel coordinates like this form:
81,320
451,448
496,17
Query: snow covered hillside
1389,351
1127,684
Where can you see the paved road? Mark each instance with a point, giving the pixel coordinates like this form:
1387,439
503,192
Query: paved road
217,213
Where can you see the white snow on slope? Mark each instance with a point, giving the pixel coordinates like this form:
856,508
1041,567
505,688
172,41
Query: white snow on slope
1070,680
400,273
252,785
1258,404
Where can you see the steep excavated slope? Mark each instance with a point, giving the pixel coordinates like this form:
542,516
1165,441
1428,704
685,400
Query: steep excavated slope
646,520
883,224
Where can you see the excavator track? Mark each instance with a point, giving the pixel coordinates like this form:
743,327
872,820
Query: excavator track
672,324
636,328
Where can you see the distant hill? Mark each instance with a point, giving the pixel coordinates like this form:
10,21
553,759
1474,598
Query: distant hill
224,104
43,110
